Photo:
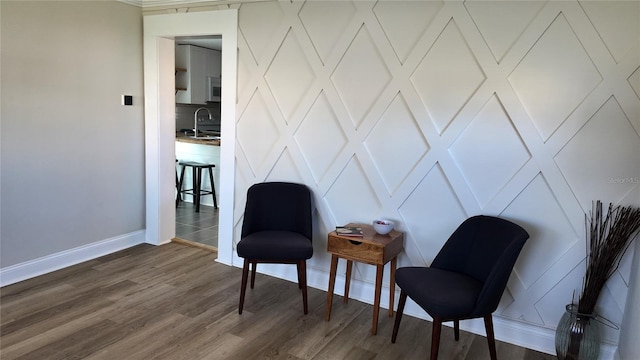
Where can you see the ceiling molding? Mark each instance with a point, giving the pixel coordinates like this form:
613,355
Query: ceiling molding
132,2
182,3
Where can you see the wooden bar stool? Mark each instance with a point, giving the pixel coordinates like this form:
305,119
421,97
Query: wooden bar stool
196,189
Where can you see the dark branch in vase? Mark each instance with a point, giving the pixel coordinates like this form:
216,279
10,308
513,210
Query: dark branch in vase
608,238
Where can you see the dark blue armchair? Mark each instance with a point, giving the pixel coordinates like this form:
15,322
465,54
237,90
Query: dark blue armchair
467,277
276,228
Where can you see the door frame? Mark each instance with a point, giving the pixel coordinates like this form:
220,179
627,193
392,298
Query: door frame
159,109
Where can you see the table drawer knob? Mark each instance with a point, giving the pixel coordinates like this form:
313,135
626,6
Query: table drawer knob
355,242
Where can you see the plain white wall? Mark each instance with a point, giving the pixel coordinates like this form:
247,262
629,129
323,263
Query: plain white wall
72,155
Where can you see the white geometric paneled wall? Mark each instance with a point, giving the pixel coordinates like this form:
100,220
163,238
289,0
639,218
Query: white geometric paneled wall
428,112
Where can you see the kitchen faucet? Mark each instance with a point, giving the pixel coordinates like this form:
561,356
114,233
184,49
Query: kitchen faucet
195,120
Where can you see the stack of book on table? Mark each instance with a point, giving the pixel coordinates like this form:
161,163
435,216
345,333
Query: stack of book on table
355,231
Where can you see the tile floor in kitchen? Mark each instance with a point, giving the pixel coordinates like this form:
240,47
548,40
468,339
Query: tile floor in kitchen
199,227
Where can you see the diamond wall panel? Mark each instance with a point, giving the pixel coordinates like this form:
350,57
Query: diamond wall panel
431,213
634,81
554,77
257,133
447,76
320,137
547,306
285,169
502,23
522,109
352,187
360,76
404,22
259,23
489,151
551,232
315,15
590,168
289,75
616,23
396,144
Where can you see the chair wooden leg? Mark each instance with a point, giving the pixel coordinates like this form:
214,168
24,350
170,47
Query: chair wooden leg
243,285
456,329
298,270
488,325
396,325
435,337
302,283
254,265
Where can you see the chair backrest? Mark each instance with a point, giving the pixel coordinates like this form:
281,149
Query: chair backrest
485,248
278,206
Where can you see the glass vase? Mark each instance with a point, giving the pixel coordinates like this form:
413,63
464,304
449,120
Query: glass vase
577,335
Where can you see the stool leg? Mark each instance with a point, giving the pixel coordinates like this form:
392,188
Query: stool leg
178,194
180,180
213,188
177,188
198,189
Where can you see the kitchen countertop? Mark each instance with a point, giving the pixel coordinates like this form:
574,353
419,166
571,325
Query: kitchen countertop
180,136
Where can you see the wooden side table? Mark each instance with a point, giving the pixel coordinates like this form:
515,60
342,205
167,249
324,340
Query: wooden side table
373,249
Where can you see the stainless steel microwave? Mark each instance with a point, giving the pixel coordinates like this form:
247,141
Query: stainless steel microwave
214,89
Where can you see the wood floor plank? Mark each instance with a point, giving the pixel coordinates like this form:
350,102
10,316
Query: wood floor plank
219,342
145,342
175,302
51,316
17,306
357,353
342,344
200,341
37,284
27,342
73,346
321,332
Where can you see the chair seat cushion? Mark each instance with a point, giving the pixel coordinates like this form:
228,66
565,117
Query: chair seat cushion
275,245
440,293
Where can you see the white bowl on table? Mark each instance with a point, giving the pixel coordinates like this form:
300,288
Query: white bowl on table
382,226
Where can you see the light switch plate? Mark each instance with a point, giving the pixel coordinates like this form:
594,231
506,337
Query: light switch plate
127,100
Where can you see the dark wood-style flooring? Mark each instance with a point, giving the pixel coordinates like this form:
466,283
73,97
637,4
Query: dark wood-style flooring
175,302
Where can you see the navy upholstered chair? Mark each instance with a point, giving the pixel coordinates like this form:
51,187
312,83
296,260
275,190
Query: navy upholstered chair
466,279
276,229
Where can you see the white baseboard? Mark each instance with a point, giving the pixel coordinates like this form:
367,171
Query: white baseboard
32,268
530,336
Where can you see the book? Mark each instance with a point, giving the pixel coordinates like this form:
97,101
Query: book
349,231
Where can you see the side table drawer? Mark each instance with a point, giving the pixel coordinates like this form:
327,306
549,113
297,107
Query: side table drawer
355,249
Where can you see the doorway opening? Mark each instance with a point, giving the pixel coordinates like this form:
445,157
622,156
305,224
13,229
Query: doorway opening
160,127
198,63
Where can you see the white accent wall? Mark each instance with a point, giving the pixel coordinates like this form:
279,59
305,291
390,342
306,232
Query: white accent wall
428,112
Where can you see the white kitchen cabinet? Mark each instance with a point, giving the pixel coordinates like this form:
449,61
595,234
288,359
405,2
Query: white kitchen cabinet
213,63
193,65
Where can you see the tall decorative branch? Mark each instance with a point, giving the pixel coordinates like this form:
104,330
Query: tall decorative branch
608,238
